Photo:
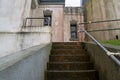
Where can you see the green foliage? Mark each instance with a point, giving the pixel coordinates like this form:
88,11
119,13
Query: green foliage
112,42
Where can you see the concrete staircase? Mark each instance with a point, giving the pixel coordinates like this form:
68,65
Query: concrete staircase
70,61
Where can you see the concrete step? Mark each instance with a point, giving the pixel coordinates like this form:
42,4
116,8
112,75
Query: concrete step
67,47
70,61
67,51
67,43
69,66
72,75
67,58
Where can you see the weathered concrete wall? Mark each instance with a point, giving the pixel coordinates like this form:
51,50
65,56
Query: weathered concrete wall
98,10
70,16
12,14
57,19
13,37
13,42
108,69
29,64
60,20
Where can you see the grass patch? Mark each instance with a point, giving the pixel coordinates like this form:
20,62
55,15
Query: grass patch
112,42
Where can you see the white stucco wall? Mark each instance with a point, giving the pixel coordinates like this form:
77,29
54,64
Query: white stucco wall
20,60
13,37
10,43
12,13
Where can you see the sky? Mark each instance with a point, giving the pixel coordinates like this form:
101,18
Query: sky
73,3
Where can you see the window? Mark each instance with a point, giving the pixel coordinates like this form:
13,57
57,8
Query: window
51,0
47,20
73,31
47,17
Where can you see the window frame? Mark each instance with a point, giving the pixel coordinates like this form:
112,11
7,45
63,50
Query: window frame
73,31
46,17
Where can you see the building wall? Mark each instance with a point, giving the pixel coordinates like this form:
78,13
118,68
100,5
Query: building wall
98,10
12,14
57,19
70,16
60,20
13,37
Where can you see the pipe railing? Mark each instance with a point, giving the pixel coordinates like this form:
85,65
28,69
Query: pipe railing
96,30
35,18
110,54
90,22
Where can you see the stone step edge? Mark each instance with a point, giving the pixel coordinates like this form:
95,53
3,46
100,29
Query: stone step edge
70,55
71,71
71,62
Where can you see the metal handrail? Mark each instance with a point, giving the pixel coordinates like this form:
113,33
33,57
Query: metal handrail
90,22
96,30
32,18
110,54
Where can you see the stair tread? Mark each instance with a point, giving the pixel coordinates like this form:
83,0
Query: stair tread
70,65
71,55
70,62
67,45
66,62
58,43
68,49
93,70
